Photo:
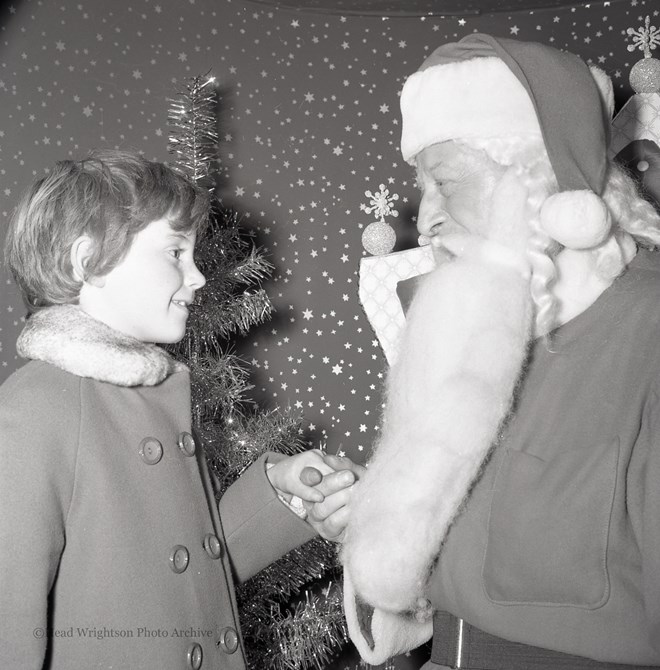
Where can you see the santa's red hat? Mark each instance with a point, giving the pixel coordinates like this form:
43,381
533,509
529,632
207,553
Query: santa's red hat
485,87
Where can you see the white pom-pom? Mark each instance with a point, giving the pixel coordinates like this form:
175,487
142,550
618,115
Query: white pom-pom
576,219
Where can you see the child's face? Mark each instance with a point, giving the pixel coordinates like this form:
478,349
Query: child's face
147,294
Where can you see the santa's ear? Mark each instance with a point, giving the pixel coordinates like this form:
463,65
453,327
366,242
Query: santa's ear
81,253
507,212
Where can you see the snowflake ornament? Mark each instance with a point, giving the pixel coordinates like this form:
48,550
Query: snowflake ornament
645,74
381,203
379,238
645,39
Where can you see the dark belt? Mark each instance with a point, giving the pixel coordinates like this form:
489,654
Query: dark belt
457,644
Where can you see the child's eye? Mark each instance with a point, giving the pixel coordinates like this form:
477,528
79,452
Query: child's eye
176,253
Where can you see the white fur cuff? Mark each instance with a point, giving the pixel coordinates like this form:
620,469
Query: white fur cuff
388,634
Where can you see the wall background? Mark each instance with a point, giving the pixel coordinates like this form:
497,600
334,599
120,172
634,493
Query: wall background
309,121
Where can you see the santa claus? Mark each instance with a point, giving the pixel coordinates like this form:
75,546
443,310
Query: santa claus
510,509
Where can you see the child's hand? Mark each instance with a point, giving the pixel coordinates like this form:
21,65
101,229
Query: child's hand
295,476
311,476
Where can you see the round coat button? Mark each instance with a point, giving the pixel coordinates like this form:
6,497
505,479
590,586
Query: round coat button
187,444
228,640
194,656
179,558
151,450
212,546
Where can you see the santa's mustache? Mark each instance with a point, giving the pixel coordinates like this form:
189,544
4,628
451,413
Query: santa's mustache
448,395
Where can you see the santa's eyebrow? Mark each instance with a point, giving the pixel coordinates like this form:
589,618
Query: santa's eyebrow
447,168
435,166
430,170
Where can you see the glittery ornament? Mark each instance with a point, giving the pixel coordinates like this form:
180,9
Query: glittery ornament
645,74
378,238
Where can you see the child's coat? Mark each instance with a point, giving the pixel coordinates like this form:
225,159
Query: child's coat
108,525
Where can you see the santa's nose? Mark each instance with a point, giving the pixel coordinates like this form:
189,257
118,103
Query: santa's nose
431,215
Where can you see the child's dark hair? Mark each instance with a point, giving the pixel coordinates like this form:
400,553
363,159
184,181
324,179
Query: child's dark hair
109,196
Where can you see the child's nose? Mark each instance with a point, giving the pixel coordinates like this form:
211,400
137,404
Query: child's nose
195,278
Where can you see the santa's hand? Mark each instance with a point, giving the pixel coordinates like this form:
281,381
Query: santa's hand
330,517
423,610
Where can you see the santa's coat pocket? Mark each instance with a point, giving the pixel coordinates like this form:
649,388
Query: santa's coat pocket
549,526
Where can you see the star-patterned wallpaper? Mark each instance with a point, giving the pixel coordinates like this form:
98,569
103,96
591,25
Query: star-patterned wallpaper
309,121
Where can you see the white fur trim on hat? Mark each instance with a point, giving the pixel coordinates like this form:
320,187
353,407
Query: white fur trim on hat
576,219
477,98
605,89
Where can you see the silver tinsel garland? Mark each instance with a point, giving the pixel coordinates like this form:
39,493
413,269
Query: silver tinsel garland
192,120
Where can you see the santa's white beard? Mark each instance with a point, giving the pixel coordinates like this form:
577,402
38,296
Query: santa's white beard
447,395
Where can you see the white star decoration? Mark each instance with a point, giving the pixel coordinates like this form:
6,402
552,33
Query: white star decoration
309,119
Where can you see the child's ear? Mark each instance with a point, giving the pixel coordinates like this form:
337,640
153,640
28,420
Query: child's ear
81,252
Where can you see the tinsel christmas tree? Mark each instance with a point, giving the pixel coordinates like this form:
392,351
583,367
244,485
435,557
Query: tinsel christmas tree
291,613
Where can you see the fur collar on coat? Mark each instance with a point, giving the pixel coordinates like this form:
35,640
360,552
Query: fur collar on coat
68,338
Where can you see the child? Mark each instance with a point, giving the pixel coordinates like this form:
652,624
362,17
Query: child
113,553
